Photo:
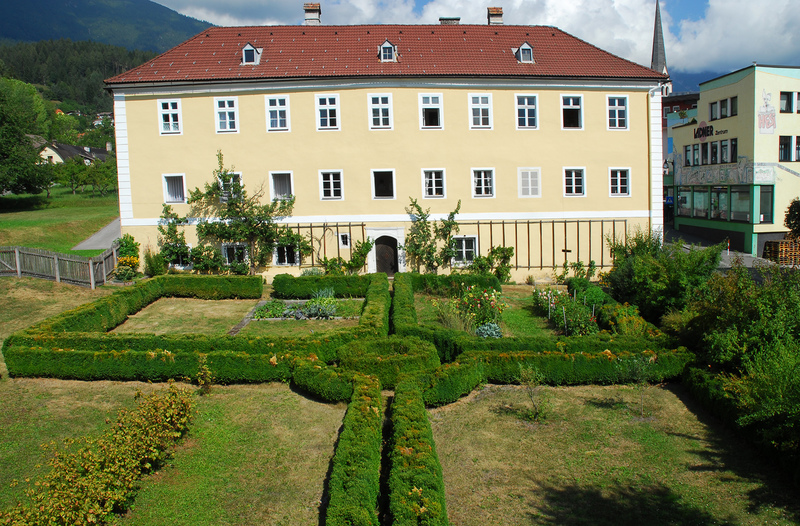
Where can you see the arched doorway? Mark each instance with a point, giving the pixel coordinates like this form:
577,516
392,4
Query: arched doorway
386,255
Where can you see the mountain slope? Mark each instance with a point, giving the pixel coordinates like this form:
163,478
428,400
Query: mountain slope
133,24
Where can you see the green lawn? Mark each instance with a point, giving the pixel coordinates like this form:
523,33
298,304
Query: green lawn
595,461
188,316
255,455
58,223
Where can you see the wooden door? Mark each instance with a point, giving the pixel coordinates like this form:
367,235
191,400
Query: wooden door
386,255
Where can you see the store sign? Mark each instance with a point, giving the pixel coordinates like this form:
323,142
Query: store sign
703,131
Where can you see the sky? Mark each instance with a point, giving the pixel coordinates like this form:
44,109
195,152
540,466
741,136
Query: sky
700,35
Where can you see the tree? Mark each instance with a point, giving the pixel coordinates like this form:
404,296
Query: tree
19,168
430,244
102,175
171,240
228,214
792,221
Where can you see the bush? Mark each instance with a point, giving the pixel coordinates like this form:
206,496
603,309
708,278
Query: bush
285,286
326,383
388,358
658,278
497,262
452,284
97,480
449,382
416,486
565,313
154,264
128,247
622,319
206,259
355,471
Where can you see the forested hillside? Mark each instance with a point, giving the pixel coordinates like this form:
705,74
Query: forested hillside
68,72
133,24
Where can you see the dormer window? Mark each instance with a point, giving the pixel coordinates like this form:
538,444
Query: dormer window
525,53
251,55
388,52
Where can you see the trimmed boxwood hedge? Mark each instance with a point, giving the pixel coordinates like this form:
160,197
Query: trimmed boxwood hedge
388,358
74,344
286,286
355,475
327,383
416,486
450,284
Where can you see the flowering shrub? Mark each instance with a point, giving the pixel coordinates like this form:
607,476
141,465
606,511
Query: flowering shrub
128,261
481,306
568,316
95,479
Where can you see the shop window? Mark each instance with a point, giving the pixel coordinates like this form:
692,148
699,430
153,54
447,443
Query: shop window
740,203
719,203
700,203
684,204
767,204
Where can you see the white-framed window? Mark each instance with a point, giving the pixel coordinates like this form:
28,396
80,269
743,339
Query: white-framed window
251,55
617,113
480,111
784,148
666,111
277,113
787,98
380,111
231,188
525,53
466,248
431,111
282,185
344,240
174,188
574,183
713,111
433,186
723,109
327,112
620,182
234,253
571,112
286,255
330,185
227,114
383,184
169,113
388,52
483,182
526,112
529,182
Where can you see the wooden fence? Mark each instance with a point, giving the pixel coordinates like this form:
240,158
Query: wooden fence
77,270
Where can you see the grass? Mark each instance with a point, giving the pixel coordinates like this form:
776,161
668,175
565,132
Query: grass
255,455
294,328
37,411
25,301
518,318
58,223
188,316
595,461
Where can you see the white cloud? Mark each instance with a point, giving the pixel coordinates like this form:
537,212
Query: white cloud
729,35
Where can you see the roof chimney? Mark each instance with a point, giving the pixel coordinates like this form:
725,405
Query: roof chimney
495,16
313,12
449,20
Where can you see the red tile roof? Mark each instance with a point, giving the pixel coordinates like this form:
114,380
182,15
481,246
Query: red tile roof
353,51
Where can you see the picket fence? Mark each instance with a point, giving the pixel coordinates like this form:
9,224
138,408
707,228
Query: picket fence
39,263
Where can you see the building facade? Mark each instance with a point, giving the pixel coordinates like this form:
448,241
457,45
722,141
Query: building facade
738,168
549,143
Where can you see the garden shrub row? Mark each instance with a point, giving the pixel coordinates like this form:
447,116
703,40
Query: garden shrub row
355,475
450,284
286,286
325,382
89,484
43,351
388,358
618,318
416,486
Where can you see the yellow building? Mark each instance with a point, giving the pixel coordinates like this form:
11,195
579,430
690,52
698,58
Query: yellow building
737,168
549,143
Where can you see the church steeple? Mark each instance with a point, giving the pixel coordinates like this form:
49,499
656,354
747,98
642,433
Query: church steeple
658,62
